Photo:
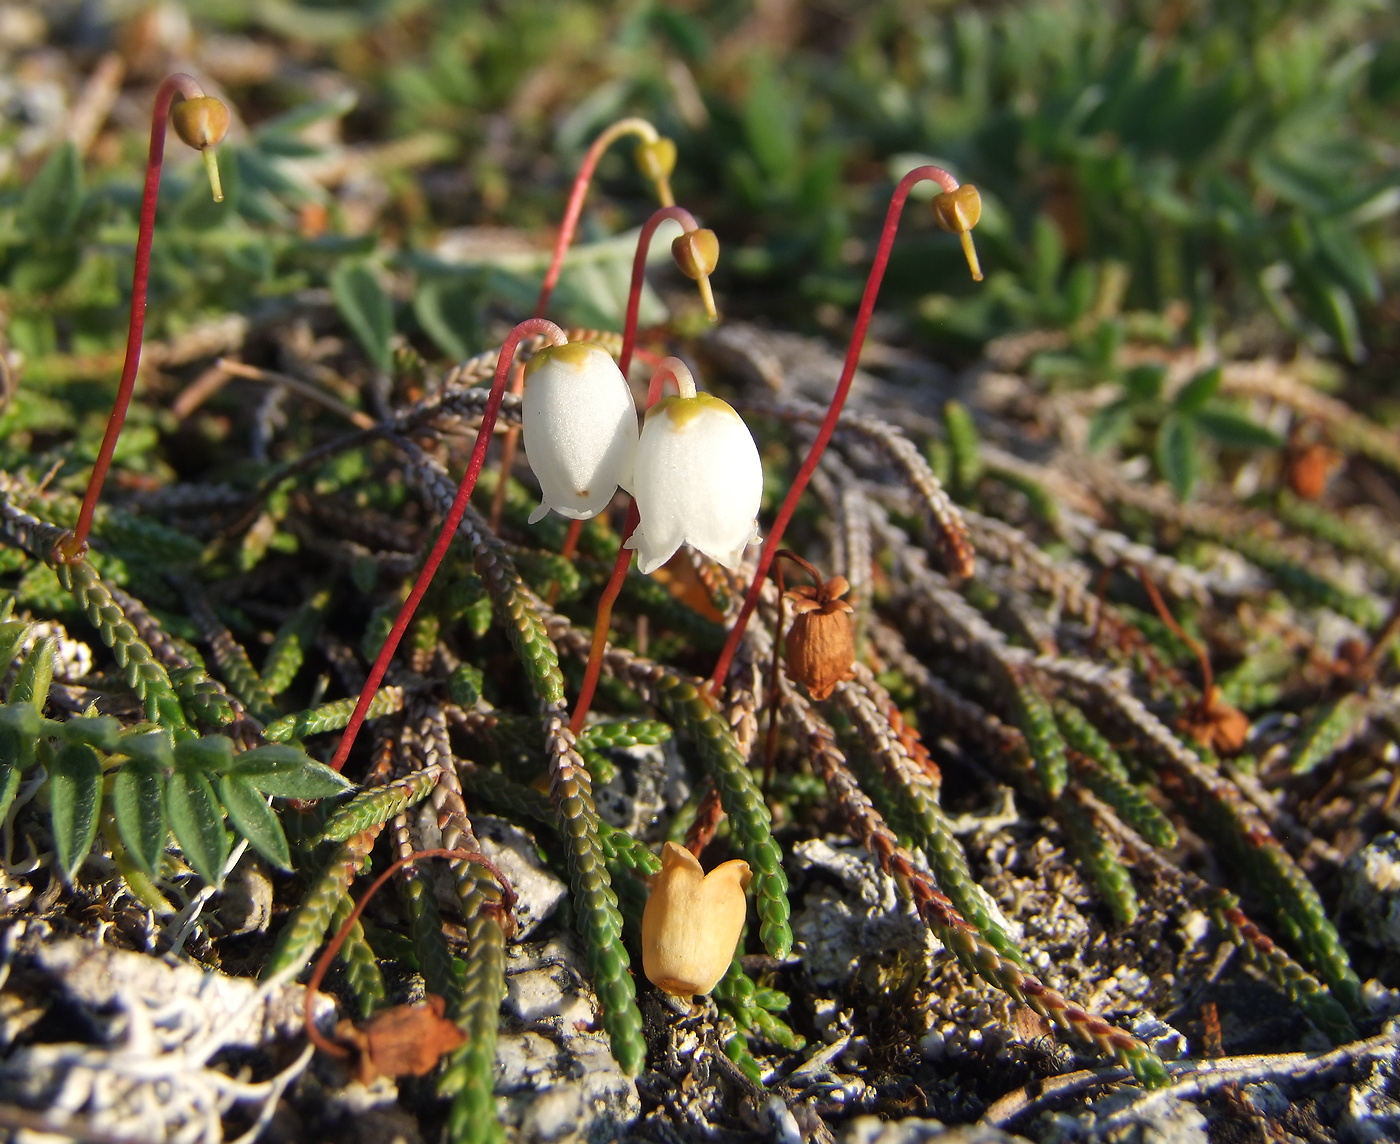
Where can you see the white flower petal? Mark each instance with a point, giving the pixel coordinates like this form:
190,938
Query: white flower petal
580,428
698,480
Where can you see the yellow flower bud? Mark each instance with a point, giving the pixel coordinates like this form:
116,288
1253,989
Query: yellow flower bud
656,159
200,122
957,212
692,922
697,253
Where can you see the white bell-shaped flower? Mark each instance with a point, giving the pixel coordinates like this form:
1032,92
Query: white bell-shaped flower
698,480
580,427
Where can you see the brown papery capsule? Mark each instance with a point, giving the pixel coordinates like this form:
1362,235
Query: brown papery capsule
821,644
201,122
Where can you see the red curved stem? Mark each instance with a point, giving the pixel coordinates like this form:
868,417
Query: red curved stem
619,573
323,962
601,622
185,87
833,413
639,266
449,527
577,193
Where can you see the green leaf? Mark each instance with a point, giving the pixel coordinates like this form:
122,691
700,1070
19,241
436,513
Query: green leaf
1176,454
1196,392
211,753
1234,430
75,794
13,633
1143,383
1109,424
138,804
285,772
366,309
9,786
99,731
55,196
254,819
449,312
35,674
198,824
149,746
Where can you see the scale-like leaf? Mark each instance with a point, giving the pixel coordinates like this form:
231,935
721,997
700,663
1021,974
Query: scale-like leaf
138,804
198,824
75,794
254,819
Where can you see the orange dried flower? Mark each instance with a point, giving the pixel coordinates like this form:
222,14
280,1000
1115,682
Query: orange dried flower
1309,469
821,644
1217,725
405,1040
692,922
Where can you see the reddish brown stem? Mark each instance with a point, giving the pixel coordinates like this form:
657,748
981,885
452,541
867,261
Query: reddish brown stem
1164,614
667,369
73,546
579,192
323,963
639,266
833,413
601,622
449,527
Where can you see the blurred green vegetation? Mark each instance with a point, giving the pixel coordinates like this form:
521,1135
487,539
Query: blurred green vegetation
1230,165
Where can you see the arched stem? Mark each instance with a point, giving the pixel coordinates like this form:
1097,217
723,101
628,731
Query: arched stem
631,126
639,267
449,526
323,962
74,545
833,413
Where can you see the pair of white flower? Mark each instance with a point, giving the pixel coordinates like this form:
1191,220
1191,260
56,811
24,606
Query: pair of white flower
693,469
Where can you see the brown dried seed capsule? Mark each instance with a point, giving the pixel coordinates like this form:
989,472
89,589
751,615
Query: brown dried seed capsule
200,122
821,644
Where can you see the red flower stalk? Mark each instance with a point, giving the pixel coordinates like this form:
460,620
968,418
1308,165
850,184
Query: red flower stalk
449,526
624,554
201,121
956,209
656,157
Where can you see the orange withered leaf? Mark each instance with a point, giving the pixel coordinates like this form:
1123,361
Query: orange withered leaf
405,1040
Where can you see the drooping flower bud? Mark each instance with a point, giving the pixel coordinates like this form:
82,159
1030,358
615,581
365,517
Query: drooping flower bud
202,123
580,427
692,922
697,254
698,480
656,159
821,644
957,212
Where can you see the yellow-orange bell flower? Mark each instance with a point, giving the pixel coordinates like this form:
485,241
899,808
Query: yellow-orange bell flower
692,922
